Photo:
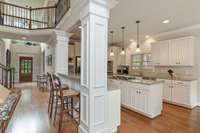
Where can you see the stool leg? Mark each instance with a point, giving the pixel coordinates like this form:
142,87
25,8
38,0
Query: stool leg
61,116
72,107
49,105
55,112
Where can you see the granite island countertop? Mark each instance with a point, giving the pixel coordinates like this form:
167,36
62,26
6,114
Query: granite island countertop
76,77
111,82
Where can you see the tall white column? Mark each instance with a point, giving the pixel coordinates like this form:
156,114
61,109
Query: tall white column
94,109
60,52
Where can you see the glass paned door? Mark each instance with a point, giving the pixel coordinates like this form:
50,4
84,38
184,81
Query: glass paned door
26,69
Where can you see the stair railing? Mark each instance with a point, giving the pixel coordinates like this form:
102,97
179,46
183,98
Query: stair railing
32,18
7,76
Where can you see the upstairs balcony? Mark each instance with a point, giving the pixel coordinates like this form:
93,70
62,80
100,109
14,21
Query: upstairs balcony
32,18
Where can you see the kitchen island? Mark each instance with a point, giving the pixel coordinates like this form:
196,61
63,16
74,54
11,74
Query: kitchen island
113,96
142,96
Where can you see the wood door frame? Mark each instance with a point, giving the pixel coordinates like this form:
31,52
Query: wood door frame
25,57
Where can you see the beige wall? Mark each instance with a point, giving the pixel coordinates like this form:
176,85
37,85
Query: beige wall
18,50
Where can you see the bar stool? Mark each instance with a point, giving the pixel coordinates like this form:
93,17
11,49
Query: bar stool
42,82
67,105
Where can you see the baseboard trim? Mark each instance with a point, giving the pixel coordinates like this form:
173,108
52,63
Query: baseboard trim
81,130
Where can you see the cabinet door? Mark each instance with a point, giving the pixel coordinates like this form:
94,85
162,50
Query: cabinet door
180,94
167,92
123,91
141,100
131,95
160,53
181,52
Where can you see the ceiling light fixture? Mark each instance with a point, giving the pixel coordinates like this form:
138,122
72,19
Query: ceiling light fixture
123,50
147,36
111,52
138,37
166,21
24,38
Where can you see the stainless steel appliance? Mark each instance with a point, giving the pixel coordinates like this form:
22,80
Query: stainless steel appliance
123,69
110,67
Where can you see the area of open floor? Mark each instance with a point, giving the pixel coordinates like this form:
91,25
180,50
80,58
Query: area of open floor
31,116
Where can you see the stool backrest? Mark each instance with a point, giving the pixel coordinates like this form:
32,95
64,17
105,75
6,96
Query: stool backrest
50,81
57,84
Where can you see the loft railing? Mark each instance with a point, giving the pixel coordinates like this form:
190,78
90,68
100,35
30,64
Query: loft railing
32,18
7,76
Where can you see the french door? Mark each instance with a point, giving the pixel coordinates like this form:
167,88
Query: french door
25,69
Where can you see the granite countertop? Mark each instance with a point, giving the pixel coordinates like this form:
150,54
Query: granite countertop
110,84
179,79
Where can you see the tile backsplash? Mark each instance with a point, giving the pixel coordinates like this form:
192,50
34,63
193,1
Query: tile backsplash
162,72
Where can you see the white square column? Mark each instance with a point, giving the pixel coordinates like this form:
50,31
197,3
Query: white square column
60,51
94,105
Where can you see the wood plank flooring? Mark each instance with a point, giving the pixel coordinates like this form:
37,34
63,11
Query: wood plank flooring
31,116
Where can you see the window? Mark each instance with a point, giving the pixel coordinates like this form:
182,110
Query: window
141,61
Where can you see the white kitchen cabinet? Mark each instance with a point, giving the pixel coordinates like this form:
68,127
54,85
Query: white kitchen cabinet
144,99
176,52
160,53
167,91
183,93
180,94
181,52
141,100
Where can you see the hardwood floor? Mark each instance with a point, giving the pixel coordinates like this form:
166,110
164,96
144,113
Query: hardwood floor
31,117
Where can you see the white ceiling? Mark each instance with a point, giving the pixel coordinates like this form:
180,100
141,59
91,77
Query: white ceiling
181,13
32,3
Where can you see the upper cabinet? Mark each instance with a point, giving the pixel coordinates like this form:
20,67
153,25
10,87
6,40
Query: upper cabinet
176,52
160,54
181,52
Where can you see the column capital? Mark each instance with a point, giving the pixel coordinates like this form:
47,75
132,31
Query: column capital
94,7
58,36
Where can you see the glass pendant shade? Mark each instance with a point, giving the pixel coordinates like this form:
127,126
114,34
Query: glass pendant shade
112,53
123,52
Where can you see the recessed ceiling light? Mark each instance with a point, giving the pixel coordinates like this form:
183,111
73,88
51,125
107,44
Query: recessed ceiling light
166,21
147,36
24,38
131,40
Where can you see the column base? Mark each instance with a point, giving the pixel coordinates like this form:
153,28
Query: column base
82,130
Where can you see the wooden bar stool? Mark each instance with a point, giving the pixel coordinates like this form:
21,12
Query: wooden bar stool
42,82
67,106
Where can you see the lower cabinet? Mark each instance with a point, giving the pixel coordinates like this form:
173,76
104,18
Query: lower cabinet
144,99
141,100
181,93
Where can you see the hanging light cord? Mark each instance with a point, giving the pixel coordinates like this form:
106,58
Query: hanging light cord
138,37
123,37
112,37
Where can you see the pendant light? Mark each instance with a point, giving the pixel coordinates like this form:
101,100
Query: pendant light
138,37
123,50
111,52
